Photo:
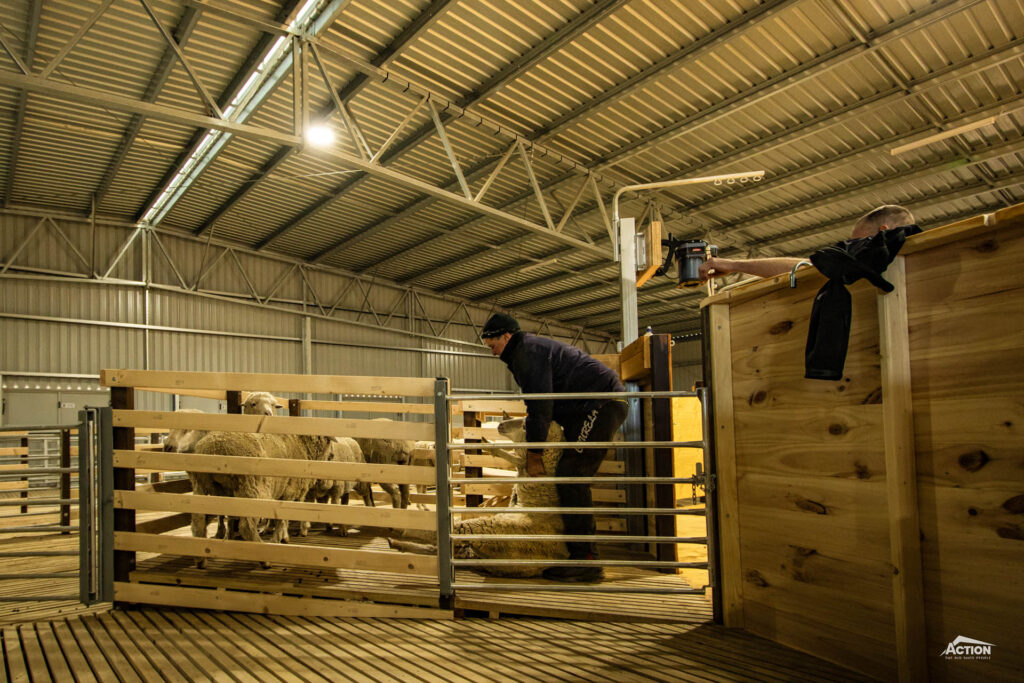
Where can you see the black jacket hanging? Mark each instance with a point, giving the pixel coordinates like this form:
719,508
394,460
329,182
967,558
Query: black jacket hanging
844,263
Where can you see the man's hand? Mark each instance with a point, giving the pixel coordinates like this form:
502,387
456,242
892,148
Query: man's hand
713,267
535,463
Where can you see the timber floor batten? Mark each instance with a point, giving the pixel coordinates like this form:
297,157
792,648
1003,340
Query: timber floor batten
194,645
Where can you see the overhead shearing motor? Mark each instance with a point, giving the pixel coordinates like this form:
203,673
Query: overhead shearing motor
688,257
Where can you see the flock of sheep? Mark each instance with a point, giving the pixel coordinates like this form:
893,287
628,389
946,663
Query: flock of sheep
378,451
293,447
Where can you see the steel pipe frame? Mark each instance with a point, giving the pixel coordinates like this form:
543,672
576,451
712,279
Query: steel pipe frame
561,588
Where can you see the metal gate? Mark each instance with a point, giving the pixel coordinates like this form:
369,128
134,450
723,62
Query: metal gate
446,538
41,485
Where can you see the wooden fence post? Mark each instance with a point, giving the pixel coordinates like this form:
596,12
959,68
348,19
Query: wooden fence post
65,478
469,419
24,461
123,398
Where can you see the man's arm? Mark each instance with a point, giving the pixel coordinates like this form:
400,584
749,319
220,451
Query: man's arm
537,378
761,267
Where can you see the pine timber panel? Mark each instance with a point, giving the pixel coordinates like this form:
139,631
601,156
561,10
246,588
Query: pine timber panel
275,424
275,509
275,467
823,525
966,311
308,556
243,381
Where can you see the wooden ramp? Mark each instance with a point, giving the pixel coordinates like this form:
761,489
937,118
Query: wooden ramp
403,589
194,645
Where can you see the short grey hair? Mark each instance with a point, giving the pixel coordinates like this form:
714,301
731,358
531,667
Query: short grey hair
892,215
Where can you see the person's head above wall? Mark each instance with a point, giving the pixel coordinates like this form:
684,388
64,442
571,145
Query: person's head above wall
498,329
883,218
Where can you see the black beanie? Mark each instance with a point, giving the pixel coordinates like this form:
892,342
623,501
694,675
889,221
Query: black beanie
498,324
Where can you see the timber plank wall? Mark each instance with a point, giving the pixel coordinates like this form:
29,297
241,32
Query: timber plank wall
818,517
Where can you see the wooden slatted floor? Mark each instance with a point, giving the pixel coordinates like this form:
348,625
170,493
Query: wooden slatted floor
417,590
192,645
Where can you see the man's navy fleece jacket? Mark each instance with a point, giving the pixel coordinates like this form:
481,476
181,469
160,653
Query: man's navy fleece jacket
542,366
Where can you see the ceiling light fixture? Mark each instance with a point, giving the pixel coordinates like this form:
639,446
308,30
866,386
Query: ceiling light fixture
320,135
952,132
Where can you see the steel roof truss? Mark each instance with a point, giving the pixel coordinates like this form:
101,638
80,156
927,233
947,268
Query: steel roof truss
446,143
494,173
367,305
312,292
403,297
285,274
122,251
208,269
536,187
170,261
13,55
208,101
426,317
31,34
68,46
17,250
397,131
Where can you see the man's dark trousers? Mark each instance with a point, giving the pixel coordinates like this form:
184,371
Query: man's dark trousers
598,425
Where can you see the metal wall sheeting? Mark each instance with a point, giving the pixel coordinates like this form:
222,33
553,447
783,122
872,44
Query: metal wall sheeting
59,325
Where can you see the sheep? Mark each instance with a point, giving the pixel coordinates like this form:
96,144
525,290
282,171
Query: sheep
260,403
337,490
255,486
525,495
184,441
390,452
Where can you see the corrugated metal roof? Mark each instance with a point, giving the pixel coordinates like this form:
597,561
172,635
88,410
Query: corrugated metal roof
816,93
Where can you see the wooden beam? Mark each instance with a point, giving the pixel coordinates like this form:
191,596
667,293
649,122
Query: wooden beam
276,509
238,601
275,424
369,407
163,524
245,381
494,407
730,574
901,477
297,555
275,467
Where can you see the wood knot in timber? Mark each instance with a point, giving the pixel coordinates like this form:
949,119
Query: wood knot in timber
1015,505
874,398
781,328
987,246
862,470
757,397
973,461
837,429
800,551
811,506
1011,531
754,577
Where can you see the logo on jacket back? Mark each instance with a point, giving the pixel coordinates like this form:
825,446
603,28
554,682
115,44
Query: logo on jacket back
968,648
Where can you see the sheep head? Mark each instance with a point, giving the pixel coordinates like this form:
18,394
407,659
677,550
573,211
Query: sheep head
183,440
260,403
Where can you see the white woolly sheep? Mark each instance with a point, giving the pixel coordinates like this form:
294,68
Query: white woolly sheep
184,441
256,486
525,495
390,452
260,403
337,491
